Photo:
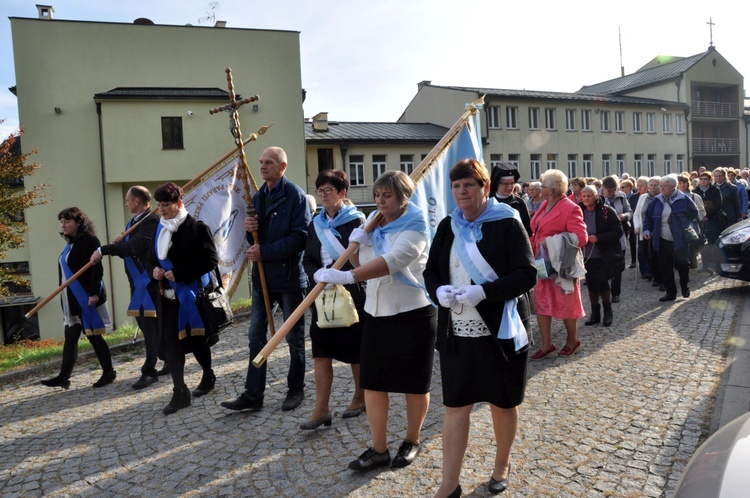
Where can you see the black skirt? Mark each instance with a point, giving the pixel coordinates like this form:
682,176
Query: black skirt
597,275
342,344
479,371
398,352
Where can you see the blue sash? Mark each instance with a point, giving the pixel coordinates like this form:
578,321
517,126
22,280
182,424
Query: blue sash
140,298
466,235
185,294
412,219
89,315
324,228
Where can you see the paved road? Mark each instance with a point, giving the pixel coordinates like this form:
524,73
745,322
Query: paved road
620,418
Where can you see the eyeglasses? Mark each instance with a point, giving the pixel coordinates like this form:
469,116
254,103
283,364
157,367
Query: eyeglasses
324,191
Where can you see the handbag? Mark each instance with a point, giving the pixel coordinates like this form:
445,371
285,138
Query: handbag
336,308
214,308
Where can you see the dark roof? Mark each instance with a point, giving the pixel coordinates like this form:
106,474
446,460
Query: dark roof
164,93
359,132
558,96
647,77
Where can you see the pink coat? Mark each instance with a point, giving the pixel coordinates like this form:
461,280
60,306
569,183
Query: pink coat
565,216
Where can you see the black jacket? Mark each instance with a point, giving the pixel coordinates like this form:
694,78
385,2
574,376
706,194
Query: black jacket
506,247
137,246
193,252
91,280
519,205
608,234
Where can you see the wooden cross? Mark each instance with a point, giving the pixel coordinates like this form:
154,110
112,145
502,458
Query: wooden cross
711,25
234,127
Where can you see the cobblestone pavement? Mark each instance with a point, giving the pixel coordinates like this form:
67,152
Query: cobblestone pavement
619,418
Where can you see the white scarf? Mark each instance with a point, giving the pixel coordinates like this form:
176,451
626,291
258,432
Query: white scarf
170,227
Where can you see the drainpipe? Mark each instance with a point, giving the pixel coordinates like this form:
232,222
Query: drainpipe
111,296
688,129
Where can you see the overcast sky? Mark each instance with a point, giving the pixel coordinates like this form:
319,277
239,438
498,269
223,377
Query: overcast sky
361,61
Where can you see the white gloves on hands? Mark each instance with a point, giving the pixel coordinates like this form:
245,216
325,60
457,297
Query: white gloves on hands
470,294
331,276
446,295
359,235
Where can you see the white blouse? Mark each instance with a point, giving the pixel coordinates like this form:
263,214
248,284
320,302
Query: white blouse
466,320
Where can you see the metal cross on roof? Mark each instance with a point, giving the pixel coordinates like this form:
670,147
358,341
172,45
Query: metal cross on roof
711,25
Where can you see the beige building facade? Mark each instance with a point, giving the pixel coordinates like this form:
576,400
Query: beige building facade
110,105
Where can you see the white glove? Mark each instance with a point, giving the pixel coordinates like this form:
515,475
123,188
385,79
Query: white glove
446,295
360,235
470,294
331,276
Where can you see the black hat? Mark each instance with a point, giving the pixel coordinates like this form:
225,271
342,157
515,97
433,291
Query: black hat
500,171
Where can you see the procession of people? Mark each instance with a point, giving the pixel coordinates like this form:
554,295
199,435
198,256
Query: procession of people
469,293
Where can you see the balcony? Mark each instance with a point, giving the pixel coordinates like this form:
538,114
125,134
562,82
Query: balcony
716,145
706,109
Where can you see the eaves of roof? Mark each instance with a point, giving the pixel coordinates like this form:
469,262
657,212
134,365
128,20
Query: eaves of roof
373,133
163,93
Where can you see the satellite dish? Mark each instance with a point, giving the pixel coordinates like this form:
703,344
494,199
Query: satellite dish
144,22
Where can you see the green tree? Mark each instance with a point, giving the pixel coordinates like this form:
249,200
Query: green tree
15,198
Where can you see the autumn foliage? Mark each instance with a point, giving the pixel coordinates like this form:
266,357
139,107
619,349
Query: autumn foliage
15,197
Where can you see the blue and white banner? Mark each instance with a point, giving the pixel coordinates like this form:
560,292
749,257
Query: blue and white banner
217,200
433,193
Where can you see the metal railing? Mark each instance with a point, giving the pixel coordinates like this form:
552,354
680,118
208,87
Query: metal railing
716,145
704,108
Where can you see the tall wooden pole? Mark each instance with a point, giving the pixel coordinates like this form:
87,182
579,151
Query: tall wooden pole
234,126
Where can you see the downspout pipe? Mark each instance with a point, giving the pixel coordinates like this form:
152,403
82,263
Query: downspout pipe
111,297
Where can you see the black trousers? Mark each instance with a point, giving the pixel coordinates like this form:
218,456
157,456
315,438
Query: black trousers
70,350
670,258
152,341
170,310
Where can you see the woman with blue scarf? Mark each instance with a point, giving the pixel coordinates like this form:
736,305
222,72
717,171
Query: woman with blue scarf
182,260
398,339
327,238
83,301
479,270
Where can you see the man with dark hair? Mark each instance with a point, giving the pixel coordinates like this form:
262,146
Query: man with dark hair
282,218
133,248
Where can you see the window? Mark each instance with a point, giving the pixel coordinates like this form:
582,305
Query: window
514,159
171,133
620,121
604,120
636,122
325,159
407,163
588,160
493,117
667,118
620,164
667,164
379,165
536,163
356,170
650,120
572,165
549,119
570,119
511,117
551,161
20,269
533,118
680,162
586,120
651,165
638,165
679,123
495,160
606,160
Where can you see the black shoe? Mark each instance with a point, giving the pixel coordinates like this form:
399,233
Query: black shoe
647,277
145,381
615,299
354,412
180,399
662,288
371,459
655,283
596,315
496,487
208,381
164,370
56,382
293,399
407,452
667,297
106,378
243,403
632,265
685,292
456,492
314,424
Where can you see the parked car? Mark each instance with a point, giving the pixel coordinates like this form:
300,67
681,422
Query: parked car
734,243
720,467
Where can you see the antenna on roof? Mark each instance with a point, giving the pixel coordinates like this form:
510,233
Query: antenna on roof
619,36
211,16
